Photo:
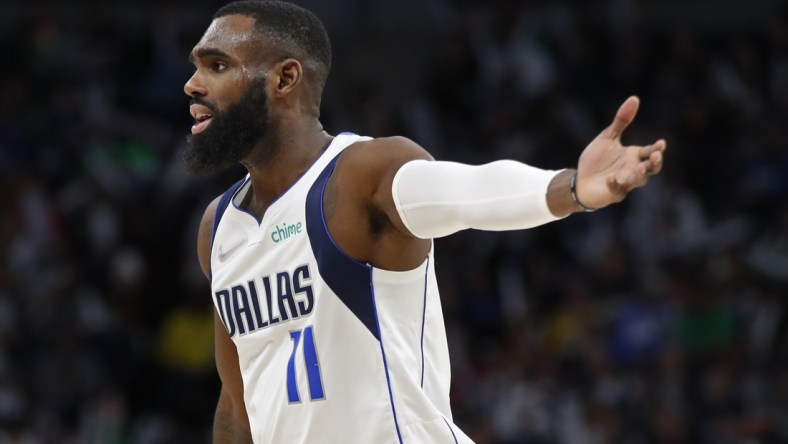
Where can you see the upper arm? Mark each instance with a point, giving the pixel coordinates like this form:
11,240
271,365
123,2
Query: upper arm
359,206
231,402
229,369
435,199
378,161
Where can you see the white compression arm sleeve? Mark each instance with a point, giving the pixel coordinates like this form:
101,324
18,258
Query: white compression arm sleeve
435,199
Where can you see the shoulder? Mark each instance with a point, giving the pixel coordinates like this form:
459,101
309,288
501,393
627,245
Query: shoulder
383,150
208,224
375,162
360,210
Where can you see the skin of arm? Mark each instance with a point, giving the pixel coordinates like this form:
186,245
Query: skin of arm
363,219
231,423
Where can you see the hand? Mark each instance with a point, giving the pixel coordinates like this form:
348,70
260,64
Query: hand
607,170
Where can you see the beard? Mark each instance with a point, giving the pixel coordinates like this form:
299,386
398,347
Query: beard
232,133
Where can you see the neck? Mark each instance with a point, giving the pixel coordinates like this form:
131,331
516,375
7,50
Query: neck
280,159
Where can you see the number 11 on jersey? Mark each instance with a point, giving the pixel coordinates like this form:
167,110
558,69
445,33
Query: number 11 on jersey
312,367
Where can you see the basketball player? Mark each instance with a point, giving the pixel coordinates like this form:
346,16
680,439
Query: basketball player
328,319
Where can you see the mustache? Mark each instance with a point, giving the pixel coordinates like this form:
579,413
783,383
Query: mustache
199,101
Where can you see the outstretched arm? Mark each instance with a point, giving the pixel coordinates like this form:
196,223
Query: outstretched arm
439,198
394,188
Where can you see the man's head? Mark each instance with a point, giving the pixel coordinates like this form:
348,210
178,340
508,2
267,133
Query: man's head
293,31
256,54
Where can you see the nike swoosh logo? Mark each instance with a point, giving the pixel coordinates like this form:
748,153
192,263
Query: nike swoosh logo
222,255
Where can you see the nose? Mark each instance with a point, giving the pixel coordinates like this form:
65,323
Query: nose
194,87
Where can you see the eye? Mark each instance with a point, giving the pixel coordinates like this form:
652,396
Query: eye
219,66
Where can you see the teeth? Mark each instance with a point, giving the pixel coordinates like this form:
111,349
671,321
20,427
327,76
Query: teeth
203,117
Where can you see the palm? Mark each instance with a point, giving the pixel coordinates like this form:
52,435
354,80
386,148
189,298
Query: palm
607,170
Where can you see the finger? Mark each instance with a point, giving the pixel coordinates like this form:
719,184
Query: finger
616,189
642,171
624,116
655,163
634,177
625,179
646,151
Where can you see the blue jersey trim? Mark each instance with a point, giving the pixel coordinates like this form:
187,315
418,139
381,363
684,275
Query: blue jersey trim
259,220
346,277
424,319
224,202
451,430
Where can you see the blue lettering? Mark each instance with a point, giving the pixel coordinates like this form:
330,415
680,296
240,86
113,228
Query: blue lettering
228,320
268,300
242,309
312,366
285,294
256,305
292,385
301,284
224,296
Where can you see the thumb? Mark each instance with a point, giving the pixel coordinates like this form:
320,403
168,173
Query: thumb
624,116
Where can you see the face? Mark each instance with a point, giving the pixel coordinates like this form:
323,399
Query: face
229,100
227,136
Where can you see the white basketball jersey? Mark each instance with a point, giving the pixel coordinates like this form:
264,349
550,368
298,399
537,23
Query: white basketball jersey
331,350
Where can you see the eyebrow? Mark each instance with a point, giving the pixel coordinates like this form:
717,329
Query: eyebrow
206,52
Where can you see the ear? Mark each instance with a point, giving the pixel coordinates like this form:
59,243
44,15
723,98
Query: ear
288,75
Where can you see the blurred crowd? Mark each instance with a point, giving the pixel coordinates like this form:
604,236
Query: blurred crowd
657,321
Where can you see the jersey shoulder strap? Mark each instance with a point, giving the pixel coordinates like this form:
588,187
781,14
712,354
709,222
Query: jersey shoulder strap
224,202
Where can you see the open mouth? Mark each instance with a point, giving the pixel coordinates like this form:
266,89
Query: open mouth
201,123
202,117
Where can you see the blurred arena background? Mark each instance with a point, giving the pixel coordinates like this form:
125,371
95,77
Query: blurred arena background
660,321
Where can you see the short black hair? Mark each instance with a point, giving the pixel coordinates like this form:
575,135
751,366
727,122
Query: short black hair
299,33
